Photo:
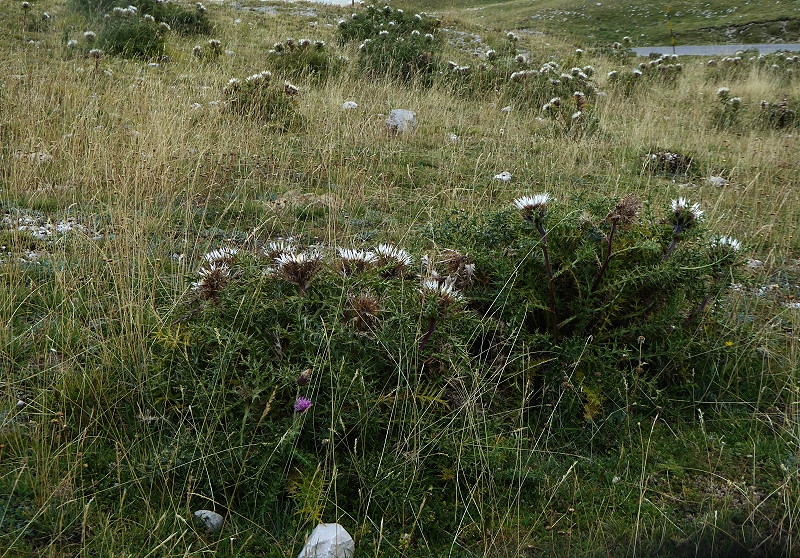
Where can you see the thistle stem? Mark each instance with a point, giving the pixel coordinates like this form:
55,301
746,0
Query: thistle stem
549,271
603,267
427,336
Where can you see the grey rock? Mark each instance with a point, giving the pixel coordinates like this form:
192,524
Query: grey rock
328,540
211,520
401,121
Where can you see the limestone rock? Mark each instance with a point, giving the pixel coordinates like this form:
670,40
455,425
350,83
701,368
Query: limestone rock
211,520
328,540
402,121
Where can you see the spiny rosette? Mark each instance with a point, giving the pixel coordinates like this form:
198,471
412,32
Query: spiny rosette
299,268
353,261
533,208
444,292
684,215
393,261
212,280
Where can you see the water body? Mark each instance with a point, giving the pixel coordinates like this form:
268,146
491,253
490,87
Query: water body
715,50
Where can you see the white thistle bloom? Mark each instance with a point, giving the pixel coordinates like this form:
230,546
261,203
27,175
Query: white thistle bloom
727,243
221,255
532,203
723,93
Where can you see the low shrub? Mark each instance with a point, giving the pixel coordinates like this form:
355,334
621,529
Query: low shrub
393,43
343,365
303,58
259,96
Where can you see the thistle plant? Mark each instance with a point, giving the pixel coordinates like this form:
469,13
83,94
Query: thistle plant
623,215
534,211
682,218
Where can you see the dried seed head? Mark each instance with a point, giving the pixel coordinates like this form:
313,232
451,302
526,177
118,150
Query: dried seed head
626,210
212,280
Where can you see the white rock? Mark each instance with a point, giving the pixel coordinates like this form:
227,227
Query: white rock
401,121
717,181
506,109
504,176
211,520
753,264
328,540
349,105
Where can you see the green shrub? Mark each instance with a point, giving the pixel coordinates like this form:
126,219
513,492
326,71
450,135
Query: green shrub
303,58
727,113
128,33
778,115
258,96
294,358
183,20
393,43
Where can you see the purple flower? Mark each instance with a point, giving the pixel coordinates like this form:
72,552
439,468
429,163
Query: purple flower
302,404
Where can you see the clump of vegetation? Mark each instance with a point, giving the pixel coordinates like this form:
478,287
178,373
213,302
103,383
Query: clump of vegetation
393,43
663,70
130,33
304,58
298,351
727,114
668,163
260,97
778,115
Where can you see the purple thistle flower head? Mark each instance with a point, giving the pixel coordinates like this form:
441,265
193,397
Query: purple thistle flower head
302,404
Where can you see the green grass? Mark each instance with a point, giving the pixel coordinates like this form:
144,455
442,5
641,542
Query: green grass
590,23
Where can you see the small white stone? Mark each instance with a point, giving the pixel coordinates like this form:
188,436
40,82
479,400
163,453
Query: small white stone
349,105
211,520
20,404
753,264
717,181
504,176
328,540
401,121
506,109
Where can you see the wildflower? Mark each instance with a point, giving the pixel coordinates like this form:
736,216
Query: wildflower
576,115
90,36
637,73
613,74
726,244
392,260
233,85
148,17
299,268
301,405
578,52
355,261
96,53
164,26
200,8
512,37
684,216
214,44
363,311
290,89
72,43
26,6
197,51
723,93
444,291
224,255
626,210
533,208
304,377
277,248
428,37
212,280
